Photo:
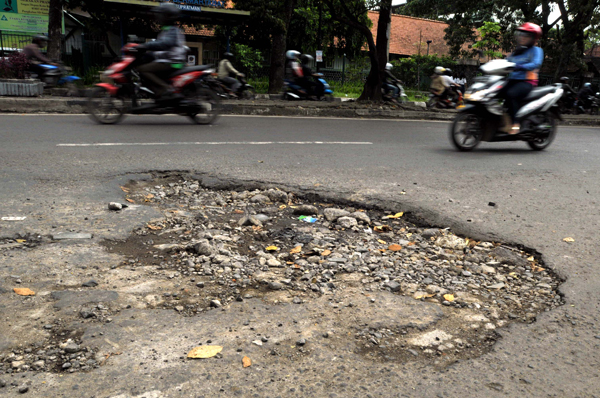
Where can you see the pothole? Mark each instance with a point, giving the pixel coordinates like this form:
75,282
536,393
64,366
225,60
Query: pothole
215,248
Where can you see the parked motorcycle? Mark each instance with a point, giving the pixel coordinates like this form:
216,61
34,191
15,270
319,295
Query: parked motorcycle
246,91
123,87
293,91
483,118
387,95
588,105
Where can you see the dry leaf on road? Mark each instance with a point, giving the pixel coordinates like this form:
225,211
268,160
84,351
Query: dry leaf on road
397,215
395,248
272,249
382,228
205,351
296,250
382,241
154,227
326,253
449,297
569,240
23,291
246,362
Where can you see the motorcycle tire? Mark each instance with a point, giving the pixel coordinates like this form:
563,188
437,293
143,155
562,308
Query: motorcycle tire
208,105
103,108
248,94
541,143
463,140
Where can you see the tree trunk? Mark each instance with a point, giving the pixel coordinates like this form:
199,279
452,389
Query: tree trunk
378,54
55,14
278,46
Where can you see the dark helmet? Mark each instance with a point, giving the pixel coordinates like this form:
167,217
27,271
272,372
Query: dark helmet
40,40
228,56
167,13
306,59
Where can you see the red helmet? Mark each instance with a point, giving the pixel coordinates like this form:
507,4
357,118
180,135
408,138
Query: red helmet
531,28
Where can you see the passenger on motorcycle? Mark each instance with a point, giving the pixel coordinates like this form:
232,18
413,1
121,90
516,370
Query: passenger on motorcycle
584,95
293,70
390,81
167,53
451,88
307,81
227,71
35,56
528,59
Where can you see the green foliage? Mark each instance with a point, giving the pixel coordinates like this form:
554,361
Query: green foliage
491,35
419,69
249,59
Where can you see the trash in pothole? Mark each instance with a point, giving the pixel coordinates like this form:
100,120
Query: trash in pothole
207,256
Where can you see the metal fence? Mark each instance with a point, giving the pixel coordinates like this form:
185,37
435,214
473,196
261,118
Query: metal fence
12,42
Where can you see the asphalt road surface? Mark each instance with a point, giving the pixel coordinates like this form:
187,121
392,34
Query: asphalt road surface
541,198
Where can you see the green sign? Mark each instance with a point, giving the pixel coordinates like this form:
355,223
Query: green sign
24,15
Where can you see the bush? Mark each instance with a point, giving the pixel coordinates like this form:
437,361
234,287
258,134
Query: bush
14,66
408,69
249,59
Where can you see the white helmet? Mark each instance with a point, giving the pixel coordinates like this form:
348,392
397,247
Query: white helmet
292,54
388,66
439,70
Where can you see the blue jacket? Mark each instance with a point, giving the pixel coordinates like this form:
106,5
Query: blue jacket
528,63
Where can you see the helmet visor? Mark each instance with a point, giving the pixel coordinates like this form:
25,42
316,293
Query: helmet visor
524,38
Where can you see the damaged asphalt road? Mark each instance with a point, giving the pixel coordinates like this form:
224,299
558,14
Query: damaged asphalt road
538,200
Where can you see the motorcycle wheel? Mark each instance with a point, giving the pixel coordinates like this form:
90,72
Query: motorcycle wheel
207,104
248,94
103,108
465,132
431,102
543,142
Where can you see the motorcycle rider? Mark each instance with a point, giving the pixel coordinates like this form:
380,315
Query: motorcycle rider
583,96
390,82
439,83
451,88
528,59
313,87
167,52
226,70
35,56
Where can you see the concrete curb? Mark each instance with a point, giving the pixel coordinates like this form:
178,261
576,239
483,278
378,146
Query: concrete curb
271,108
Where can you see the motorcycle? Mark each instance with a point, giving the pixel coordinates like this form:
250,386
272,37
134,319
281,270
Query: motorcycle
123,88
590,105
246,91
483,118
387,95
293,91
568,101
443,102
57,76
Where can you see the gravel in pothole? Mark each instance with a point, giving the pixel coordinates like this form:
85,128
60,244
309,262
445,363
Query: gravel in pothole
216,247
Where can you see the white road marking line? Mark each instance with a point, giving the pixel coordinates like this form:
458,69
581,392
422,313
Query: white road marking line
217,143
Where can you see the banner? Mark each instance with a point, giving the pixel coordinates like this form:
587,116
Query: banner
24,15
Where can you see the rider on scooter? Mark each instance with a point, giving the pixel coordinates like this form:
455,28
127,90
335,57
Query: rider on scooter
35,56
390,82
168,52
439,83
227,71
583,96
307,82
528,59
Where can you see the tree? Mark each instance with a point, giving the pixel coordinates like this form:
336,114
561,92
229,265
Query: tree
490,40
269,24
55,14
352,13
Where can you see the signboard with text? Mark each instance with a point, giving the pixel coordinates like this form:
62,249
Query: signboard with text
24,15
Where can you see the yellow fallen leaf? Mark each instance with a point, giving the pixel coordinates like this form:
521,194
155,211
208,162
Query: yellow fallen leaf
272,249
381,241
382,228
408,235
514,275
530,258
282,207
23,291
238,211
296,250
569,240
449,297
246,362
205,351
21,240
326,253
395,248
419,295
154,227
397,215
130,200
149,196
125,189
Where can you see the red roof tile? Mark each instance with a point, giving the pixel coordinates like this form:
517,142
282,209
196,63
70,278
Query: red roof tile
407,32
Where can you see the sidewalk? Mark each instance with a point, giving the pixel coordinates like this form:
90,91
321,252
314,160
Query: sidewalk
264,107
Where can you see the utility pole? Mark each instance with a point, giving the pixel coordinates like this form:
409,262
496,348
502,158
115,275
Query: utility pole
428,43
